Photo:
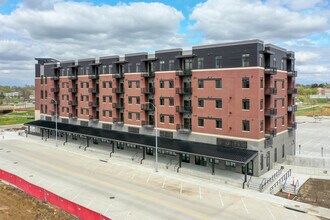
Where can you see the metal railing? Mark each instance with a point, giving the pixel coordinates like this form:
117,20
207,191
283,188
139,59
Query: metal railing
267,181
279,182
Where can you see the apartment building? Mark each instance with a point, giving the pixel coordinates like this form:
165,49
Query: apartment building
228,106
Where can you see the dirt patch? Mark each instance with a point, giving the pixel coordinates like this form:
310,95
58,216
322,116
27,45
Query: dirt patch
313,191
16,204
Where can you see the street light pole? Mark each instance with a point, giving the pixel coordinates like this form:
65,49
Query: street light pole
56,105
156,166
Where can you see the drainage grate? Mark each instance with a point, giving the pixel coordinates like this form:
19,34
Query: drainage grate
111,197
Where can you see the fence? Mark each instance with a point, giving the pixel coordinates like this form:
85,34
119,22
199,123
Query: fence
45,195
279,183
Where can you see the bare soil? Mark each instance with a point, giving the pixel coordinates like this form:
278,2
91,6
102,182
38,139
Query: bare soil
16,204
313,191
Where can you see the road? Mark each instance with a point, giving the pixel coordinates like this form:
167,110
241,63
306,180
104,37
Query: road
121,190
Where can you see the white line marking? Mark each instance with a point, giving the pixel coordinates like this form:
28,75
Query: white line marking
181,188
107,209
200,193
128,213
270,212
149,177
76,196
247,211
90,202
221,200
164,182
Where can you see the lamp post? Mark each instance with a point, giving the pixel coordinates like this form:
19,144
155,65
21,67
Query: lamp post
156,166
56,105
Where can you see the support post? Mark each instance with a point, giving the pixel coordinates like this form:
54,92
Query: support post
66,137
42,133
87,138
245,175
48,133
143,154
112,148
180,160
212,166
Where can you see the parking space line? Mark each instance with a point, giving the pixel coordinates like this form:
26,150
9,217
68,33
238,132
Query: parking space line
270,212
247,211
76,196
200,193
90,202
181,188
149,177
221,199
164,182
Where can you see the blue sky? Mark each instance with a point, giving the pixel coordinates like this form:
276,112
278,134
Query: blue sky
68,29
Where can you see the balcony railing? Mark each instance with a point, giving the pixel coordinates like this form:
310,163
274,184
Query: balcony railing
270,70
271,112
73,103
292,108
73,90
148,91
292,126
118,120
148,124
93,104
184,128
55,78
118,90
147,107
292,91
118,105
55,90
93,76
93,90
72,115
292,73
118,75
271,91
184,91
52,113
271,132
148,74
183,109
93,117
73,77
186,72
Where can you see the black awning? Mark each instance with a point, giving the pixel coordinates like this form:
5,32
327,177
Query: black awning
238,155
149,59
72,66
95,64
120,62
185,56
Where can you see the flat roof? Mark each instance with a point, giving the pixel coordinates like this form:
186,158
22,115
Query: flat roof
238,155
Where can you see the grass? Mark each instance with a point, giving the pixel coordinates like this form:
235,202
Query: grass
19,117
322,110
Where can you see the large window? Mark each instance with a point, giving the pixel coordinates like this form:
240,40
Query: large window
200,83
201,122
130,100
218,83
161,83
162,118
246,104
129,68
171,101
245,60
200,103
218,62
162,65
245,82
246,125
171,119
171,65
161,100
200,63
185,158
138,67
218,123
230,164
171,83
218,103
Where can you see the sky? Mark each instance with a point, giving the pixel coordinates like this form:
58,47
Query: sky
76,29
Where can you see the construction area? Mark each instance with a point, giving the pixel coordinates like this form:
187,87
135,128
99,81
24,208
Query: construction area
16,204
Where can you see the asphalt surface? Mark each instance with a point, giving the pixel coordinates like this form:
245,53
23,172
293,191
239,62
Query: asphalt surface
126,190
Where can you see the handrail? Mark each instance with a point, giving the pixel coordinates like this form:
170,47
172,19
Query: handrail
281,180
263,184
248,182
134,155
168,163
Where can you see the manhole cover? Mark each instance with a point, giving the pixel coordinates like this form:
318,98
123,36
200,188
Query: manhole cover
15,162
111,197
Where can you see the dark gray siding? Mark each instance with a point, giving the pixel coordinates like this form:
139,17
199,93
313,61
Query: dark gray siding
37,70
133,60
49,70
167,56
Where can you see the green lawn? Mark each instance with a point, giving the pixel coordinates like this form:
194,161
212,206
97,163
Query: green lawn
302,112
17,117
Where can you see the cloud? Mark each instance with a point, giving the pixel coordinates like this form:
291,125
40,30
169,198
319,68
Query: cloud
39,5
297,4
247,19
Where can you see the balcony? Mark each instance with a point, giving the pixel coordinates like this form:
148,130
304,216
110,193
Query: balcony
53,102
186,72
118,105
147,107
93,104
73,103
271,112
183,109
292,91
118,121
52,113
72,115
93,90
270,70
118,75
148,74
93,76
93,117
148,91
73,90
292,108
271,91
183,128
73,77
271,132
118,90
55,90
292,126
184,91
148,124
292,73
55,78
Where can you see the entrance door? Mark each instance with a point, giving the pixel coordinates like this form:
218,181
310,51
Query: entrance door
249,168
187,123
268,160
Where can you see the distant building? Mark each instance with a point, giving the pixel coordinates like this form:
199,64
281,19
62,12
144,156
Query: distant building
11,94
322,93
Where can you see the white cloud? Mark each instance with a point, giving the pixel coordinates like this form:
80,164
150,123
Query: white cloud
224,20
297,4
306,57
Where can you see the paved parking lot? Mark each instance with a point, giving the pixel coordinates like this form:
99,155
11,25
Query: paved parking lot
312,135
124,190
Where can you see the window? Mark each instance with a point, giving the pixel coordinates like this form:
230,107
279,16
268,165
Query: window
218,123
137,84
245,82
87,85
200,103
138,100
171,84
282,121
218,62
87,111
261,161
283,151
161,100
171,100
81,85
261,82
161,83
201,122
138,67
110,69
129,99
130,115
230,164
82,98
82,111
275,154
218,83
200,63
218,103
104,69
42,94
246,125
46,96
261,104
171,65
110,99
129,84
104,98
261,125
185,158
275,122
138,116
172,119
274,62
162,65
282,84
110,84
104,113
200,83
246,104
282,102
87,70
129,68
245,60
110,113
162,118
104,84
